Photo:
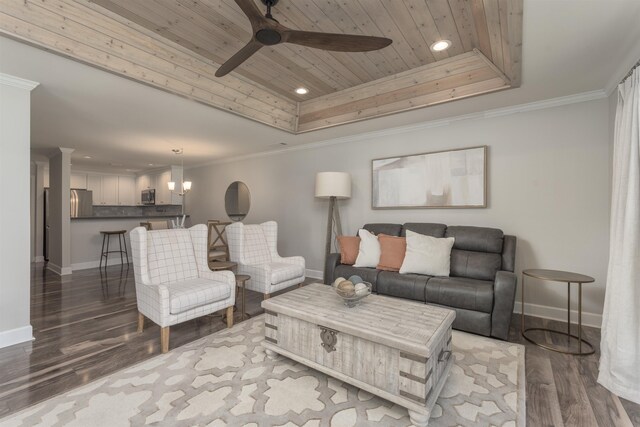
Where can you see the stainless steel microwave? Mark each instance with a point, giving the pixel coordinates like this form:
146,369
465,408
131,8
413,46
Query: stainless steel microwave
148,197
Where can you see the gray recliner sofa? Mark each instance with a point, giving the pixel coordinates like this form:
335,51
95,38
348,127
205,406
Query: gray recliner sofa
481,287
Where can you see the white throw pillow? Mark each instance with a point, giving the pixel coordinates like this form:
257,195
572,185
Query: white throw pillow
369,251
427,255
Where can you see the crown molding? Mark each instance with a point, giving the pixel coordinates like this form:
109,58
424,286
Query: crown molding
20,83
497,112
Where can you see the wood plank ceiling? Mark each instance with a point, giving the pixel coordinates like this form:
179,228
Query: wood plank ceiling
177,45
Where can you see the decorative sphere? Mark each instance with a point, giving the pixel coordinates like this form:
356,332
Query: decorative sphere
337,281
355,279
347,288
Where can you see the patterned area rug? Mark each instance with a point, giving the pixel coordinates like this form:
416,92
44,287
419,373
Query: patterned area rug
225,379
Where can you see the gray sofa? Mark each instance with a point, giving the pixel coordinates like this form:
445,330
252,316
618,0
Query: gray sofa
481,287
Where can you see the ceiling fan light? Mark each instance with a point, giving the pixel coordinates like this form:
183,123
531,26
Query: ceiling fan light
440,45
302,91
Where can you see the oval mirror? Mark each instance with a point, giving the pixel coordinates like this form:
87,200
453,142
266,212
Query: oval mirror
237,201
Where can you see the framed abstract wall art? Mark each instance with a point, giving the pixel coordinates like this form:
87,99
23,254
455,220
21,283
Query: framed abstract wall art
442,179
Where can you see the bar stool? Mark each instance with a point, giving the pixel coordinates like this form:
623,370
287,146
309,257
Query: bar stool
106,237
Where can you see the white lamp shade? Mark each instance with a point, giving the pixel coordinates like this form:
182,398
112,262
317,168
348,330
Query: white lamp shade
172,185
333,184
186,186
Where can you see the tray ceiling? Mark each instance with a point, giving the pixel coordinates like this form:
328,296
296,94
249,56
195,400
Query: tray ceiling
177,45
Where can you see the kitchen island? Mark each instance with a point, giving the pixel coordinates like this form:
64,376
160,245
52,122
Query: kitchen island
86,240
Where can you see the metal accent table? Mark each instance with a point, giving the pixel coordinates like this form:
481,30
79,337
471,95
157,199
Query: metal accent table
562,277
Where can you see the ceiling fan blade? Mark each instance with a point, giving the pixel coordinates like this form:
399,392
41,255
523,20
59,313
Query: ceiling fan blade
250,9
335,42
242,55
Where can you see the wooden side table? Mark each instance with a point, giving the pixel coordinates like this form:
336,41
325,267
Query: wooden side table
562,277
222,265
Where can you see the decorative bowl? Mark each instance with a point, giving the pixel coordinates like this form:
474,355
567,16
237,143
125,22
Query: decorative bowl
352,297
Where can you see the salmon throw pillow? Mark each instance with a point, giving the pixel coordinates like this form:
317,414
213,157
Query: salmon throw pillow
392,250
349,246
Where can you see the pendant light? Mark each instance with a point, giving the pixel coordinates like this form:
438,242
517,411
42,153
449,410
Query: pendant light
186,185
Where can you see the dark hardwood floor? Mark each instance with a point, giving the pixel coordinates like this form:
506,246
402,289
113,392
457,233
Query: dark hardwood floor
85,328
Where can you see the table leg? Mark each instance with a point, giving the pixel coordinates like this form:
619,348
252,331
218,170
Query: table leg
580,317
243,309
569,312
522,307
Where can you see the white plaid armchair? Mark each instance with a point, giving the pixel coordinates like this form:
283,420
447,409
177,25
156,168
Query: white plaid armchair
255,249
173,280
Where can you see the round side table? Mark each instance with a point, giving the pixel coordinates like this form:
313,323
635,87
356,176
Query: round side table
241,282
562,277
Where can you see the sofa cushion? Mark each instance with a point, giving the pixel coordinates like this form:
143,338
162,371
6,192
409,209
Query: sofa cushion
426,228
475,265
349,247
369,250
281,272
368,274
171,256
392,250
408,286
388,229
480,239
427,255
461,292
194,293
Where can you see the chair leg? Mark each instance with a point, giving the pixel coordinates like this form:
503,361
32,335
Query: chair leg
164,339
267,296
140,322
229,317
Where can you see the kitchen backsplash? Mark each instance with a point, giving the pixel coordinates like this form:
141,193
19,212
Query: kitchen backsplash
111,211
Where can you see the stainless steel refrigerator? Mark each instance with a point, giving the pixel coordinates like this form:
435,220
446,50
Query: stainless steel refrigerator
80,205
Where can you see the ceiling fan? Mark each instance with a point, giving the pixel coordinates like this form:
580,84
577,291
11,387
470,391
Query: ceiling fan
268,32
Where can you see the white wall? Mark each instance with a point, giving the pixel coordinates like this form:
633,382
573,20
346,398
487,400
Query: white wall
15,229
549,185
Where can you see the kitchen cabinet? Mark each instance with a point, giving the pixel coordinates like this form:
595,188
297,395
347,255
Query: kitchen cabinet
110,190
163,195
78,181
94,184
126,190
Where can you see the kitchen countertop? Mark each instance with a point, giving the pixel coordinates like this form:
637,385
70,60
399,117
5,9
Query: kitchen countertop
149,217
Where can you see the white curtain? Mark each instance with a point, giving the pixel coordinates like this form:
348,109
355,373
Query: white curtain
620,345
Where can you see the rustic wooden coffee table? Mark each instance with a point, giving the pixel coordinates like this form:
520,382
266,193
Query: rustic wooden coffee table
396,349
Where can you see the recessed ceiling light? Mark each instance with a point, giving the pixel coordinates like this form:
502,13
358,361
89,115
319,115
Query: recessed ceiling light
302,91
440,45
150,164
87,157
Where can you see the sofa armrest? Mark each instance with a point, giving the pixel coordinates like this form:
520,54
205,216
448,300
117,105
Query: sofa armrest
504,295
332,261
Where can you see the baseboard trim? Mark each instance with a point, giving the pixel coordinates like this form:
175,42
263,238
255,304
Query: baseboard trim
314,274
95,264
60,271
560,314
16,336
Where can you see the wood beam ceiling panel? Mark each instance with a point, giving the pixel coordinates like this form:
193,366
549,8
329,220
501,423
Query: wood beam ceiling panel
47,27
458,77
177,45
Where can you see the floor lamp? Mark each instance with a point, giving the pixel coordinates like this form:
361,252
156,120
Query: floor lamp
332,186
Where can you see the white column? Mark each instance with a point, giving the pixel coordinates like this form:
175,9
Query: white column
59,212
15,242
